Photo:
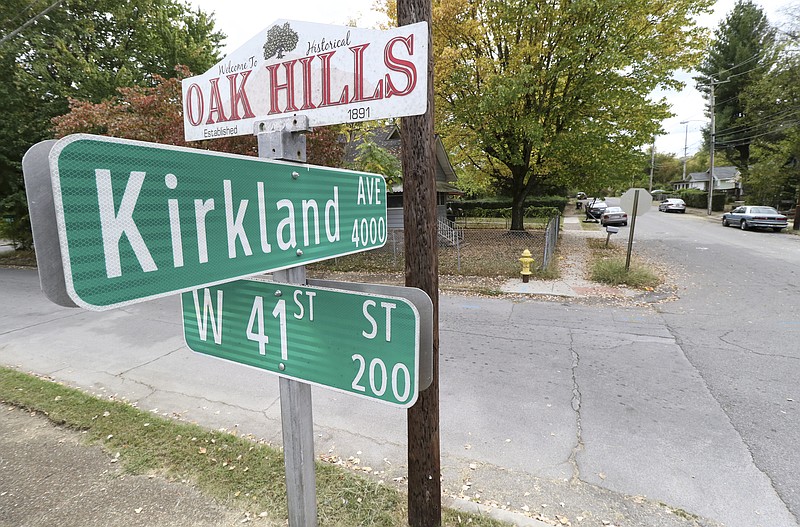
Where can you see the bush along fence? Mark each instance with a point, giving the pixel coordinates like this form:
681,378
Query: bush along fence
470,246
699,199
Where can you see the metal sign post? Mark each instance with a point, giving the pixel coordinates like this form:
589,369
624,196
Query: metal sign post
276,139
635,201
633,227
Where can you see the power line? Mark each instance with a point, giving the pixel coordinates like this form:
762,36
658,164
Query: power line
766,121
9,21
740,64
747,140
748,71
726,101
31,21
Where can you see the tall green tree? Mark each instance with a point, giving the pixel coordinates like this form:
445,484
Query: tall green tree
740,56
84,50
557,91
773,107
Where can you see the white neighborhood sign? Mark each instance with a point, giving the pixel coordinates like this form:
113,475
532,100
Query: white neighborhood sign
331,74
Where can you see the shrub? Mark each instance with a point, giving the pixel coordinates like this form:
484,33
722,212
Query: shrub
15,223
612,271
468,207
699,199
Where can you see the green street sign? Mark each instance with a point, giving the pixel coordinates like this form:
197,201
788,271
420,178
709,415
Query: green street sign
138,221
359,343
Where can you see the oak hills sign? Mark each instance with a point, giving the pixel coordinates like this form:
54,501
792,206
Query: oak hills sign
331,74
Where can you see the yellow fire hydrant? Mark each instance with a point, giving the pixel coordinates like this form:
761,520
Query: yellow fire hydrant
526,261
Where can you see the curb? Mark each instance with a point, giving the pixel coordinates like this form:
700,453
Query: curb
514,518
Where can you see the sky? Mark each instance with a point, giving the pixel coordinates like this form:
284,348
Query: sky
243,19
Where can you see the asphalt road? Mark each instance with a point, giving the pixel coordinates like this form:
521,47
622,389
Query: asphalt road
738,323
605,413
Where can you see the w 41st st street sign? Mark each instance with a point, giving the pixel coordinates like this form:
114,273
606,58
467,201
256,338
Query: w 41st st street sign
139,220
363,343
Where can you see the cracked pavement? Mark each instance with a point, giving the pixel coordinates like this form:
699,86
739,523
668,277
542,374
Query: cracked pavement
670,414
548,409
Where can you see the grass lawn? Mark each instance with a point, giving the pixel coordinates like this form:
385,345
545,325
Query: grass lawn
237,471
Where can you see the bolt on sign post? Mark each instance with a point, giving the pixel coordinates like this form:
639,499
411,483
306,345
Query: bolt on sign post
138,221
421,269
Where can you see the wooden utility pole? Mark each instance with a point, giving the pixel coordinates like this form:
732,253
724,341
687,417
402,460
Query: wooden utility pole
422,271
711,153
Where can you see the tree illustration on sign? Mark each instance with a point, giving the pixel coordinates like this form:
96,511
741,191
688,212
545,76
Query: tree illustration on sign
280,39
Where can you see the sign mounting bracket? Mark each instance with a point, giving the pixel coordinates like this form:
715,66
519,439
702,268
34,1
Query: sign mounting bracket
283,138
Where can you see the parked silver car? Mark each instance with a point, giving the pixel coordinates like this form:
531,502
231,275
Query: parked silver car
748,217
672,205
614,216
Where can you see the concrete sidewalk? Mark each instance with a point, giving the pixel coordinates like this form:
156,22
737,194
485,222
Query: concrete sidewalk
49,477
573,281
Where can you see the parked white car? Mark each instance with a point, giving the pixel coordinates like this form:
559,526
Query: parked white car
672,205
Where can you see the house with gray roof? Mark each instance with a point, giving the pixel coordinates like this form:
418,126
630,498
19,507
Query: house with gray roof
388,138
726,179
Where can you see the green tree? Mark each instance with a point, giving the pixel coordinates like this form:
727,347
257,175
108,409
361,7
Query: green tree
740,56
557,91
371,157
85,50
668,168
773,105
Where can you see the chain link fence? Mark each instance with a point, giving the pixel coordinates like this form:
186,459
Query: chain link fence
469,247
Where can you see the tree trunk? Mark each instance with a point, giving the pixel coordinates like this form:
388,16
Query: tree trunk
521,190
518,213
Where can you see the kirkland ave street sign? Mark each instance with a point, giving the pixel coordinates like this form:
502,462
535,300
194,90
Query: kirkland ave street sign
361,343
138,220
331,74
